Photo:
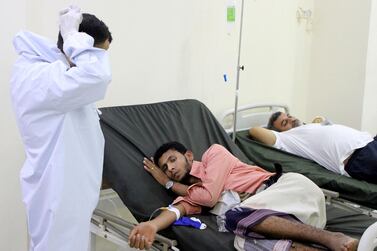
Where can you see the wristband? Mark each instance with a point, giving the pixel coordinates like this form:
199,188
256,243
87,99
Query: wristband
174,210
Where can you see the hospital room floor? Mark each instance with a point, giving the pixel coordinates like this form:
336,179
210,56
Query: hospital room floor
111,203
104,245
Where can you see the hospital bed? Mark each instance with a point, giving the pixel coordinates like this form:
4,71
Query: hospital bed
355,191
134,132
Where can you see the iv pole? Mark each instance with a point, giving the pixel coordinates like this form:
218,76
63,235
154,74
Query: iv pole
238,75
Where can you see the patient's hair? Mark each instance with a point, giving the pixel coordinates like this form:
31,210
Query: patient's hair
272,120
166,147
92,26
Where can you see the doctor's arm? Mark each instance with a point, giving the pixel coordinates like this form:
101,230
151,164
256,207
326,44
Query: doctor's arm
263,135
143,235
86,81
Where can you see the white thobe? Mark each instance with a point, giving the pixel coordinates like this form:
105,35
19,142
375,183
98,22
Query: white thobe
60,130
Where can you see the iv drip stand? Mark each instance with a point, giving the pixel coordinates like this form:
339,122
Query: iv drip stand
238,76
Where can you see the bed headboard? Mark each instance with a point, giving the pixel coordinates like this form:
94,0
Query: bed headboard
250,116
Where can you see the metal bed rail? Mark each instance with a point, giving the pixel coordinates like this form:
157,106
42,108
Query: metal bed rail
117,230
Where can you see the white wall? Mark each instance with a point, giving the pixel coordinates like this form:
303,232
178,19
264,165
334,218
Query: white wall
339,50
276,54
176,49
12,213
369,113
180,49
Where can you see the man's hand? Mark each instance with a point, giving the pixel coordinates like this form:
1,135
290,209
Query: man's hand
318,119
156,172
69,21
142,236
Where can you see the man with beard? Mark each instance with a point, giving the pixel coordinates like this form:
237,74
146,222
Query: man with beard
338,148
280,121
279,211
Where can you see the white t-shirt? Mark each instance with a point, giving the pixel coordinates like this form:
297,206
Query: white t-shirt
328,145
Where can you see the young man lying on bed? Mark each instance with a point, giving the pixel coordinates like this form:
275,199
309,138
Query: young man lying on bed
287,207
338,148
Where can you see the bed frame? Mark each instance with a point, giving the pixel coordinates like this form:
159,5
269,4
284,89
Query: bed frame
250,115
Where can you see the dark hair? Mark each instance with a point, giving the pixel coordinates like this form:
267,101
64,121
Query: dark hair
272,120
92,26
166,147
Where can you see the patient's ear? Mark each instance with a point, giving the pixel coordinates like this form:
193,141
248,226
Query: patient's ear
189,155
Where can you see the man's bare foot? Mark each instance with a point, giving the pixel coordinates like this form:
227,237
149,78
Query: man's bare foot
342,242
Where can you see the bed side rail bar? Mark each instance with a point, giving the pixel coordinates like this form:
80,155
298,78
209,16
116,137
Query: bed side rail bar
249,115
334,198
109,223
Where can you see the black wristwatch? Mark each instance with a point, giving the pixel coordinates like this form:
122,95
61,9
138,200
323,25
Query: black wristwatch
169,184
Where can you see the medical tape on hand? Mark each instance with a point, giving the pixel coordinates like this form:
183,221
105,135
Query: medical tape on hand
174,210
